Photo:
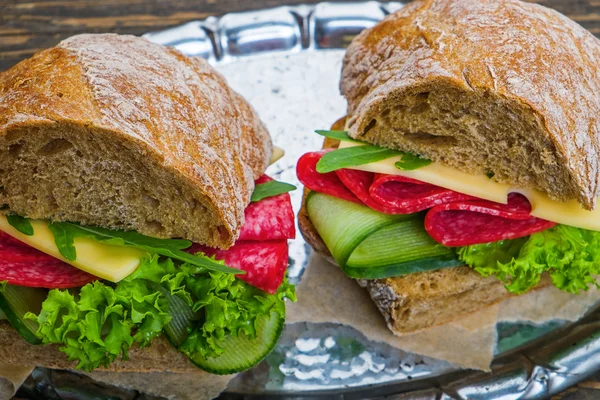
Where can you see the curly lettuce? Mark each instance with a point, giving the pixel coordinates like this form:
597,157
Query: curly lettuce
231,307
570,256
101,321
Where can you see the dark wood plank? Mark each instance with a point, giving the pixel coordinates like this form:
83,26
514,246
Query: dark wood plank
26,26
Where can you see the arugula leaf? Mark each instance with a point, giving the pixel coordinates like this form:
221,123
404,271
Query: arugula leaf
489,174
65,232
352,157
571,256
21,224
409,162
103,322
270,189
64,239
337,135
3,285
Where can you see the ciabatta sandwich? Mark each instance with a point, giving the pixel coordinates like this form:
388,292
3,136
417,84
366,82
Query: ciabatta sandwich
467,167
135,208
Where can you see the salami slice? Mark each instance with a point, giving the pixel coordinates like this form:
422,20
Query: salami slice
23,265
406,196
271,218
265,262
388,194
464,223
328,183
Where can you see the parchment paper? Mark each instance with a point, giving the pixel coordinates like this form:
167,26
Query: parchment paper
199,385
326,294
11,378
175,386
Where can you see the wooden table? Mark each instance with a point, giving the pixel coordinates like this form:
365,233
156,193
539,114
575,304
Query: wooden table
29,26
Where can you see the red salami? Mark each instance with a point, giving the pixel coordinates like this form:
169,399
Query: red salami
453,219
389,194
464,223
271,218
23,265
407,196
265,262
262,249
323,183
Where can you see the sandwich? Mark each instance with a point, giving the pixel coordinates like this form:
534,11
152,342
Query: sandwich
466,169
138,230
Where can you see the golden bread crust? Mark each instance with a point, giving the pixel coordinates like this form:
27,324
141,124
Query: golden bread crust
172,113
502,85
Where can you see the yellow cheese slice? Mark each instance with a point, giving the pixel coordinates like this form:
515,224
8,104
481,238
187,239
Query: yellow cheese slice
106,261
567,213
277,153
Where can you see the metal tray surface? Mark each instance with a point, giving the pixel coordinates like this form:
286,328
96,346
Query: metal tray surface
286,62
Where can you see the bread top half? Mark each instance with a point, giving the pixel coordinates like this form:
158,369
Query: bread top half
488,85
168,124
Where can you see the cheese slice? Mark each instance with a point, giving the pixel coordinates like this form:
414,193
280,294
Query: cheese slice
567,213
106,261
277,153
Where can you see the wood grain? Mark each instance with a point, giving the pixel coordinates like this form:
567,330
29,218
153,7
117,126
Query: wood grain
27,26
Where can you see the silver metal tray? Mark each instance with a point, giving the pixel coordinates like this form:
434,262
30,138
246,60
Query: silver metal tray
286,62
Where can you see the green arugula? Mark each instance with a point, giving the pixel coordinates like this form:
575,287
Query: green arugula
270,189
3,285
337,135
489,174
352,157
66,232
21,224
409,162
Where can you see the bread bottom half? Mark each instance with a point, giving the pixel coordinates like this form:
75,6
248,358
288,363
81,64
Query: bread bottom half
159,356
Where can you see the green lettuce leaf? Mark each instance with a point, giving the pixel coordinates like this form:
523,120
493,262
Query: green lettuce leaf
104,321
570,256
230,307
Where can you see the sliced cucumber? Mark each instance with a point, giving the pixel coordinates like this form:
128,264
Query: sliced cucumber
399,249
367,244
343,225
182,317
16,301
241,352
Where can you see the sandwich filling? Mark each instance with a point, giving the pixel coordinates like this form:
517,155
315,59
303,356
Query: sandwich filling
98,292
403,225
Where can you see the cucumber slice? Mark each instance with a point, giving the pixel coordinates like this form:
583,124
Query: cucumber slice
399,249
241,352
182,316
368,244
343,225
16,301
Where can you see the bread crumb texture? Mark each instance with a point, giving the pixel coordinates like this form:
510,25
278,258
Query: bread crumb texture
119,132
496,86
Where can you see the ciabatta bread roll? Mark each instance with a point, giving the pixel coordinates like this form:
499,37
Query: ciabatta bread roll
116,131
498,86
